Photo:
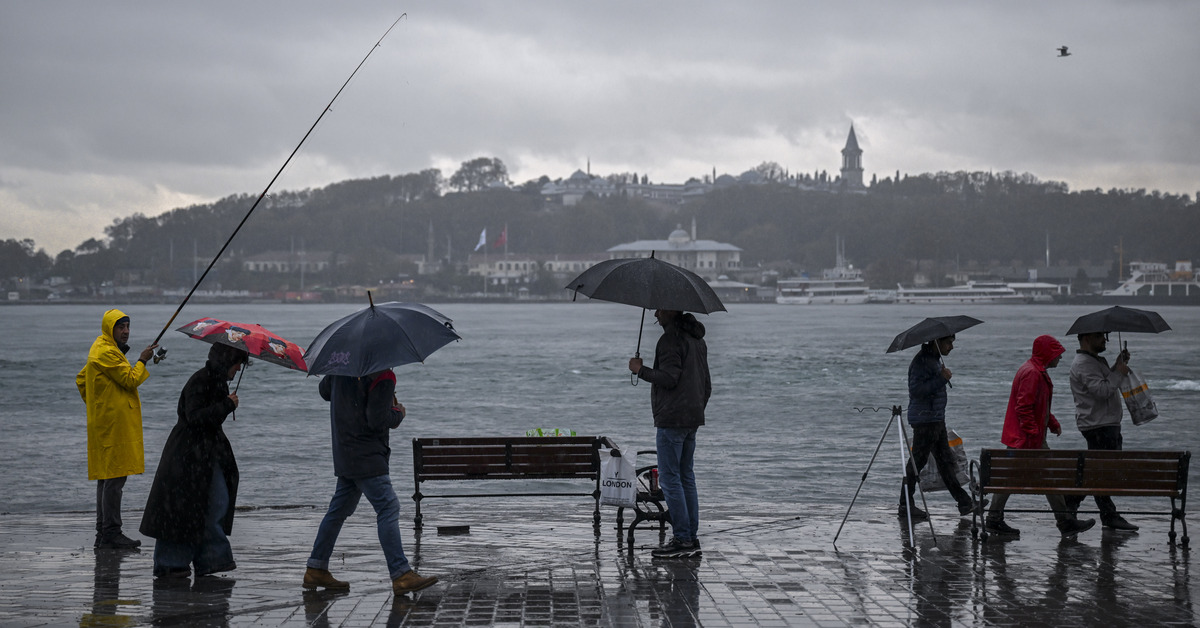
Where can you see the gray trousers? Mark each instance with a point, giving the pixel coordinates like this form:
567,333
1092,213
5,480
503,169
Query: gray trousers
108,506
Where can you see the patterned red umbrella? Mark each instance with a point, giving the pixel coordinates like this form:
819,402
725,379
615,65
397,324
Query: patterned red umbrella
255,340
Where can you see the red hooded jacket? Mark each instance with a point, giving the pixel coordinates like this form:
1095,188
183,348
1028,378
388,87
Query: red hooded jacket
1028,413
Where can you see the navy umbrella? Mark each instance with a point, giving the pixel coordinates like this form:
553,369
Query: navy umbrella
377,338
931,329
1118,319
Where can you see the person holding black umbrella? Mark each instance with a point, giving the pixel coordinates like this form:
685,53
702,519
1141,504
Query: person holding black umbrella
928,379
362,412
1098,411
680,386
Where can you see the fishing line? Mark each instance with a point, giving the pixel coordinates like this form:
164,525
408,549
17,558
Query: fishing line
327,109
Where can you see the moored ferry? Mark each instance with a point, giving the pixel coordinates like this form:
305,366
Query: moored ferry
843,284
971,292
1151,283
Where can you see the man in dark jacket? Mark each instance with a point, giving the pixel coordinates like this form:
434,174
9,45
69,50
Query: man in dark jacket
362,410
1026,422
679,390
191,503
927,382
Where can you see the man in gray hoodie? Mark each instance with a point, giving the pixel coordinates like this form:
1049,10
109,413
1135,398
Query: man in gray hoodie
1098,410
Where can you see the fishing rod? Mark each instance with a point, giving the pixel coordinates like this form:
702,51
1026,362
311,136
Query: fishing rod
162,352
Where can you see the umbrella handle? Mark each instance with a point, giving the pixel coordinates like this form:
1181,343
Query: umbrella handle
238,385
633,379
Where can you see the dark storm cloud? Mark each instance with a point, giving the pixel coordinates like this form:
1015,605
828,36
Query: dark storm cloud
111,108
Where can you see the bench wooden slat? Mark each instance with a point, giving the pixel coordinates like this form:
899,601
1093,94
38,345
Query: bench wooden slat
441,470
1111,492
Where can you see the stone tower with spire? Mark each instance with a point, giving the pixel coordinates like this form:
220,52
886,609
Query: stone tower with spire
852,170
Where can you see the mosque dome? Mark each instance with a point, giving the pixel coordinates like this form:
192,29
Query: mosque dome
679,237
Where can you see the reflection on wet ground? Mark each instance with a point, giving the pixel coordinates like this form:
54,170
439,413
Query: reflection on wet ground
514,568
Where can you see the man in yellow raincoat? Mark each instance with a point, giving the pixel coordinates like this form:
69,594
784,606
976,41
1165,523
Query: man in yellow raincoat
108,385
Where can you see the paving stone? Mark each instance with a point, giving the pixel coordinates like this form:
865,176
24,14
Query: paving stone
755,571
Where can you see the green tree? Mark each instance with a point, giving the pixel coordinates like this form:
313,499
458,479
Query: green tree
478,174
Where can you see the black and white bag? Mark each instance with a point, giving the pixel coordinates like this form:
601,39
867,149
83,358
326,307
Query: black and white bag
618,480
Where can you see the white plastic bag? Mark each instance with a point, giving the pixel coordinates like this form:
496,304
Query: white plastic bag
618,481
929,477
1137,398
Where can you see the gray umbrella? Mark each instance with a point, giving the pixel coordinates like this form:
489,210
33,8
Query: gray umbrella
377,338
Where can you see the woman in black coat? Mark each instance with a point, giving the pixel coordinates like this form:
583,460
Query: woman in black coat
190,508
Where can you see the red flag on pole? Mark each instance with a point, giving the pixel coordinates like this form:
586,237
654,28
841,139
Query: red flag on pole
503,239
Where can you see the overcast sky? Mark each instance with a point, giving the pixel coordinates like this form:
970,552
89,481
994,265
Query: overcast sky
113,108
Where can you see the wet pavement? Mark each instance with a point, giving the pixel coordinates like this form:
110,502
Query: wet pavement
542,565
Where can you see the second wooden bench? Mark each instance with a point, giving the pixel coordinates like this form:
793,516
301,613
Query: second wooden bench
507,458
1126,473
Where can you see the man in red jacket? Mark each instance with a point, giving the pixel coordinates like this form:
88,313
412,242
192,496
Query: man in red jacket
1025,424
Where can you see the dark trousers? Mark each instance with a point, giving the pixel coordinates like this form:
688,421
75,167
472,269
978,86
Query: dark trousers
930,438
1106,438
1057,503
108,507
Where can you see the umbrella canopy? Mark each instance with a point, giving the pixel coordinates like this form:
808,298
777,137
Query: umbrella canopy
931,329
377,338
256,340
1118,318
647,283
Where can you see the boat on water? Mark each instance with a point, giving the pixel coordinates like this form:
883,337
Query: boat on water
842,285
1151,283
970,292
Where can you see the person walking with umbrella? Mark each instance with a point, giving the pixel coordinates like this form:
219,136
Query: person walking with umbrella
928,379
109,388
1095,387
680,386
191,504
1026,422
356,353
362,411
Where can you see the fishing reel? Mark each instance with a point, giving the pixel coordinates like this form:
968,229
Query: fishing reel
160,355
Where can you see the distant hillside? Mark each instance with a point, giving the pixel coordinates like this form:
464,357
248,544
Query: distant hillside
949,218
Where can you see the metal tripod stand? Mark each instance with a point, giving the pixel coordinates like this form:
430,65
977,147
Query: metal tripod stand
897,411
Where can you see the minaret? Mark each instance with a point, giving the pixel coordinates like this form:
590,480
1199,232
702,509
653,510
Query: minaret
852,170
429,245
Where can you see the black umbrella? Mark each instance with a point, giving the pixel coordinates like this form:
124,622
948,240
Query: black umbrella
648,283
931,329
378,338
1118,319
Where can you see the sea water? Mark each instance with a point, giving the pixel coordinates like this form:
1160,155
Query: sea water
801,395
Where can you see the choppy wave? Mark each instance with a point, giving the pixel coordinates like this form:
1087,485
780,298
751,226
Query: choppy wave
1182,384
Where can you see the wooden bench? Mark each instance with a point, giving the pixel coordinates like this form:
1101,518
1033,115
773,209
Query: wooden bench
500,458
1128,473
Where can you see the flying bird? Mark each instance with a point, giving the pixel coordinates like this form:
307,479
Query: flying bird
1062,52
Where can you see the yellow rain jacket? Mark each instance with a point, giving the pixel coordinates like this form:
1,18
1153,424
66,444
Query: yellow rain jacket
108,385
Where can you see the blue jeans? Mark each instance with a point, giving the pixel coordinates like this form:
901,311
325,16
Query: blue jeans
676,454
213,551
379,492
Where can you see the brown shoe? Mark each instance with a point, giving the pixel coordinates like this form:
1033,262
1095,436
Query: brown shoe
314,578
411,581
